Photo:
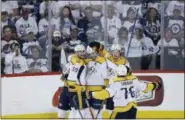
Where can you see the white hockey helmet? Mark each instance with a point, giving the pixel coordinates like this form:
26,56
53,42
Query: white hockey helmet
79,47
89,50
115,47
121,70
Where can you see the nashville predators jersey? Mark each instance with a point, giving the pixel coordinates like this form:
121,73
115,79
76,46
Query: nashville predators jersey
96,71
124,91
112,64
72,69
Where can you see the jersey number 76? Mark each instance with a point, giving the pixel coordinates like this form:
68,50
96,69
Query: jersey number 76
128,91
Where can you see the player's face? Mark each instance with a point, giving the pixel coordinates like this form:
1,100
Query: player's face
116,54
66,12
81,54
93,55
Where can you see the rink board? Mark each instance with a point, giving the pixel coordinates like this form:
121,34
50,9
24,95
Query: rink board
31,96
141,114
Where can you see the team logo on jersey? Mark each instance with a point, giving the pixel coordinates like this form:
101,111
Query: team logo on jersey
175,28
153,98
153,29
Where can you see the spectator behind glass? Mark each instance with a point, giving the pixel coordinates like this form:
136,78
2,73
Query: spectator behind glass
74,5
89,27
72,42
176,23
130,19
58,53
167,41
123,37
113,23
15,63
37,63
6,40
29,42
178,4
96,5
152,23
12,9
5,20
47,5
44,23
25,22
125,5
66,21
141,49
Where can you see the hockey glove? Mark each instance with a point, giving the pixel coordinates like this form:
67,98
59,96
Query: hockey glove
157,85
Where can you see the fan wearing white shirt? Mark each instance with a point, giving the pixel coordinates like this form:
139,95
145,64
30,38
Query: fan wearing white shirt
37,62
167,41
11,7
29,42
6,41
123,38
51,6
130,19
113,23
15,63
141,49
66,21
178,4
25,22
74,5
96,5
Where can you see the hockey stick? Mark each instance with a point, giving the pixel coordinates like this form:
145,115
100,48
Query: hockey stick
100,109
132,34
73,99
74,102
87,102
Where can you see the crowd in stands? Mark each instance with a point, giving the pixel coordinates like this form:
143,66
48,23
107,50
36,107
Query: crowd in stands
39,35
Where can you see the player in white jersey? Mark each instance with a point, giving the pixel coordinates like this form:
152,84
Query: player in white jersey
96,75
113,60
123,88
73,85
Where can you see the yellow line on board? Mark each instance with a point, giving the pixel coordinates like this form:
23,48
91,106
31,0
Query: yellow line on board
141,114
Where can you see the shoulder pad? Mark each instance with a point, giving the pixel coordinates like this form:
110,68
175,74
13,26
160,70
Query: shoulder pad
100,59
70,57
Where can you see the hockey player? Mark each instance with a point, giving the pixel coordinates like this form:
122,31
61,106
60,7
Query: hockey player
123,88
114,58
113,61
96,75
73,86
